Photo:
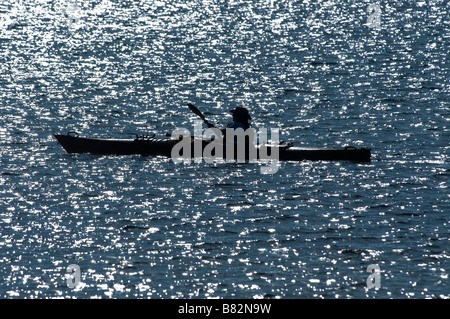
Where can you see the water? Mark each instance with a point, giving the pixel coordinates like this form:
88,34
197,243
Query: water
323,72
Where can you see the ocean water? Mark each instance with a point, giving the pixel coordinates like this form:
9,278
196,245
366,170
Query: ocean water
326,73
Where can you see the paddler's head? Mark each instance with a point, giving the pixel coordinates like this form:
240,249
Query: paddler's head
240,114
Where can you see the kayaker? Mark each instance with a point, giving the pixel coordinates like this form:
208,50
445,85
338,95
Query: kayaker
239,127
241,117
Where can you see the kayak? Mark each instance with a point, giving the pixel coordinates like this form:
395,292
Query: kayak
150,146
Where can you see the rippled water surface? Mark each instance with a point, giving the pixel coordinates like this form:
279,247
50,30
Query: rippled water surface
327,73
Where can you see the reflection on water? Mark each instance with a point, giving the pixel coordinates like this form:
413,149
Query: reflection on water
146,227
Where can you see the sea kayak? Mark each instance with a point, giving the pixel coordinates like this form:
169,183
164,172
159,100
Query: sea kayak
150,146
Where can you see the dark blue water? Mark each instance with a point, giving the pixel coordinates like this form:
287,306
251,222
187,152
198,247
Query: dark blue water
327,73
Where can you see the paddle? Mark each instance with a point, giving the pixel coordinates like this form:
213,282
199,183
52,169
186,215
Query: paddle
196,111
